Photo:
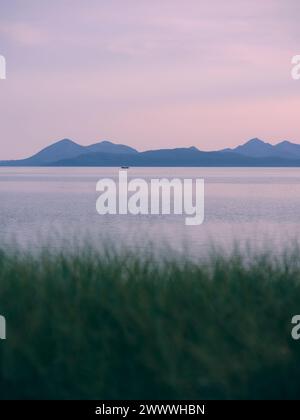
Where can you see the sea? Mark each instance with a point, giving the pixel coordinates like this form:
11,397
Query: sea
254,209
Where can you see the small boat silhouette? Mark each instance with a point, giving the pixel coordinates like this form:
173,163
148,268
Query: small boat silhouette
124,167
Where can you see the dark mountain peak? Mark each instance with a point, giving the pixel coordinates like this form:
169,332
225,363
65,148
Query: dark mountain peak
288,149
254,148
255,141
61,143
107,146
61,148
64,144
64,141
284,142
106,142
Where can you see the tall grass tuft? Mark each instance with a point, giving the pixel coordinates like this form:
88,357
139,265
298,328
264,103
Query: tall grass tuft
106,325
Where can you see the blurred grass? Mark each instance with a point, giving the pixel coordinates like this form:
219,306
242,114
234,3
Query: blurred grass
88,325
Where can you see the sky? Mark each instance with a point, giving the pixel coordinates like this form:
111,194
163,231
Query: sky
150,74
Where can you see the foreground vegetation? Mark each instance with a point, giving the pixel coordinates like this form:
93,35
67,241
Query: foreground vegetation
98,326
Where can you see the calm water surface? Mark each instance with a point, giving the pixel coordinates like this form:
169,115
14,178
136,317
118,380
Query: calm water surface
256,206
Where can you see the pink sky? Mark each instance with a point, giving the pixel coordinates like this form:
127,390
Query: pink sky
150,74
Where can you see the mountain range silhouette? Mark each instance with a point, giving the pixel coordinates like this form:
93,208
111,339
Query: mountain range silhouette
254,152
